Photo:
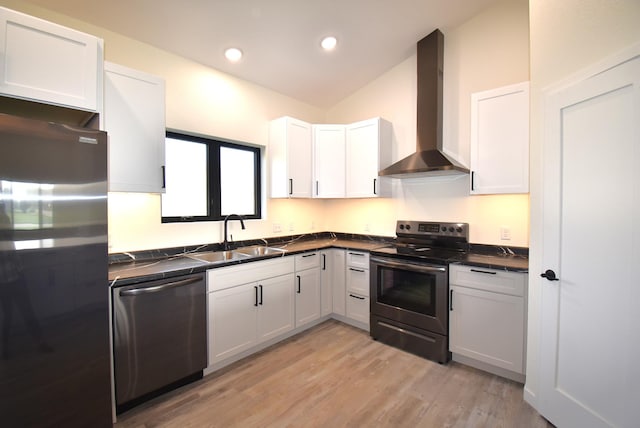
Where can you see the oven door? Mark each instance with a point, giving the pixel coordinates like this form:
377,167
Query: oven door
411,293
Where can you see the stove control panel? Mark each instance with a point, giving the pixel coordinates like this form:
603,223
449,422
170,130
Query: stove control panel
426,228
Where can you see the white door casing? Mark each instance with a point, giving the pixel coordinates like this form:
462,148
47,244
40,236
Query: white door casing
590,322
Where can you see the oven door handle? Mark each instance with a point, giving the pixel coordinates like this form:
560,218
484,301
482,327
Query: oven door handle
407,266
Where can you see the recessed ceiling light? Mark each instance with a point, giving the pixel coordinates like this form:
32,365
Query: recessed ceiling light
329,43
233,54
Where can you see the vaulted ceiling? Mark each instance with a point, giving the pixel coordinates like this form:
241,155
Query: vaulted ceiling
280,39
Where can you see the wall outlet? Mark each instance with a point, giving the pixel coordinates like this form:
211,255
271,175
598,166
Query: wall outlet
505,233
277,228
291,227
367,227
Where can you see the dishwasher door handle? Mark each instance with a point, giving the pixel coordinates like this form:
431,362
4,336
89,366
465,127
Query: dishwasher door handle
159,288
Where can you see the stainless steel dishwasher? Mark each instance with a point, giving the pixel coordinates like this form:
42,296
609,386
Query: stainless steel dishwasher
159,337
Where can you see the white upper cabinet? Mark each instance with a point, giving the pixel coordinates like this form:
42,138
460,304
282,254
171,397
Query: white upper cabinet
290,157
134,118
368,151
329,161
49,63
500,140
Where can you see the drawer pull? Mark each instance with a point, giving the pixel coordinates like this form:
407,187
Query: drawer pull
483,271
309,255
357,270
356,297
356,254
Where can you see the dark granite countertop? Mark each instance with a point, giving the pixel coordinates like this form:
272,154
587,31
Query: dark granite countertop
127,268
512,263
133,268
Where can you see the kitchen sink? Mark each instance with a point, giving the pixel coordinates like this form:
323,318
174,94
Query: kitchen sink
260,250
218,256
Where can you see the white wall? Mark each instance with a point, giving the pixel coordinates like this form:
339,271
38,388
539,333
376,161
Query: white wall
566,36
490,50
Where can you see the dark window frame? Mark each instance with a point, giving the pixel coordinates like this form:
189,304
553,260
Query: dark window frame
213,178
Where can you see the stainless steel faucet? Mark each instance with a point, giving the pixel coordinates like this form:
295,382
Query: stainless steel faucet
225,244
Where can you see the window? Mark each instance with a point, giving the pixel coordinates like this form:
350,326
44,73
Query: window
208,179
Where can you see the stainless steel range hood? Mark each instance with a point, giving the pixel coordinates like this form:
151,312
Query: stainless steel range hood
429,159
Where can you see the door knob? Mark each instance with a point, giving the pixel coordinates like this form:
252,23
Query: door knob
550,275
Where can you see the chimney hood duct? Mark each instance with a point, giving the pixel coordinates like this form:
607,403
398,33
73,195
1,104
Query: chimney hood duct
429,159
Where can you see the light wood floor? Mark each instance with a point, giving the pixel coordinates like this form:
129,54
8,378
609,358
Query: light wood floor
334,375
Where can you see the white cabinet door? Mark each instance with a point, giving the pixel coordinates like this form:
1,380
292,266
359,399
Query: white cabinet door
275,306
368,151
290,158
338,281
49,63
500,140
232,321
332,280
589,317
307,296
487,327
329,161
134,118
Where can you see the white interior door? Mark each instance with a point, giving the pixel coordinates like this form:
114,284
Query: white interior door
590,330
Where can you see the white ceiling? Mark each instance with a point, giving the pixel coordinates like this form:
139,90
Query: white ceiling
280,38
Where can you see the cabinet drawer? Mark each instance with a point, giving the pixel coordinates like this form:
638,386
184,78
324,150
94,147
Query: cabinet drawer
497,281
358,281
307,261
358,259
358,307
230,276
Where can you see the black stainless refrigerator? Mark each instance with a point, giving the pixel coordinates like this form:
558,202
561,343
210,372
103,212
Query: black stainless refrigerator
54,304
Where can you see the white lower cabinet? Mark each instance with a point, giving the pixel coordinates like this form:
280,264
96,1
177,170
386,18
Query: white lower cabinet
357,286
307,288
487,318
332,282
253,305
248,304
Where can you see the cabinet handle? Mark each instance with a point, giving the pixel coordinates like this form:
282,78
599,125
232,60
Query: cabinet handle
356,254
482,271
317,192
299,280
450,300
357,270
309,255
374,186
164,177
472,179
291,186
356,297
324,262
260,286
256,290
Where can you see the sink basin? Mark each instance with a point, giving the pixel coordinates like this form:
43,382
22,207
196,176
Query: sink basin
218,256
259,250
